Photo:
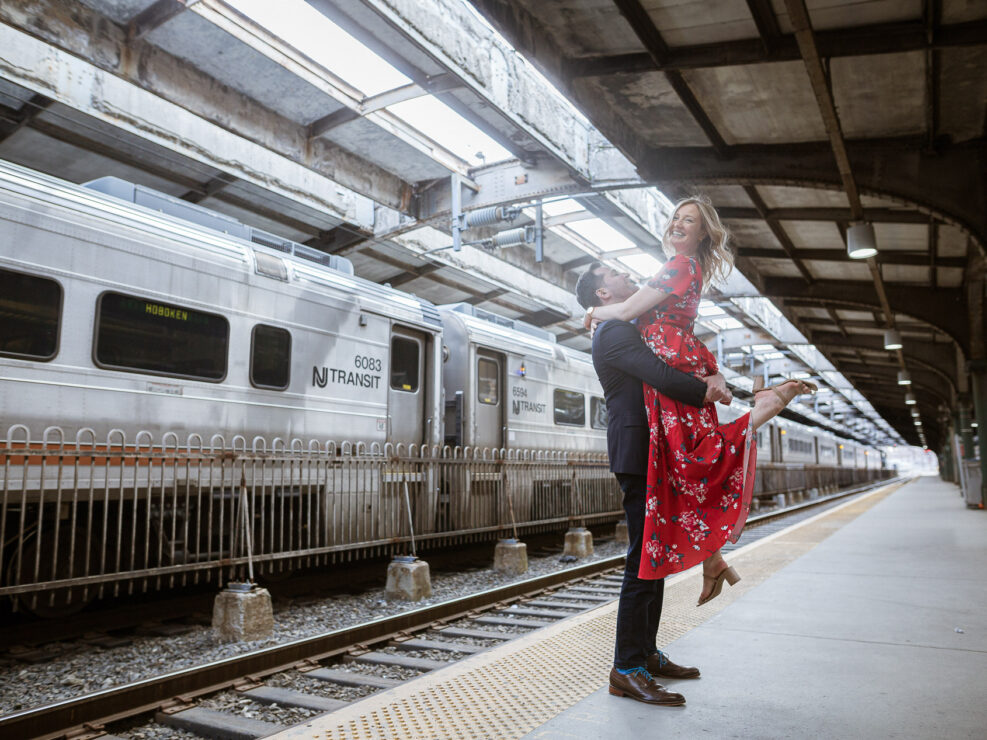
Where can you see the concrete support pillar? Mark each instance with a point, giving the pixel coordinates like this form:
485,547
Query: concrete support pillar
408,578
511,556
978,383
578,543
242,612
620,535
963,425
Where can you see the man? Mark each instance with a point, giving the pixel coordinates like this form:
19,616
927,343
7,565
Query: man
623,362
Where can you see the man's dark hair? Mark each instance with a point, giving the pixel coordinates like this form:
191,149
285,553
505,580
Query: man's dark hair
587,286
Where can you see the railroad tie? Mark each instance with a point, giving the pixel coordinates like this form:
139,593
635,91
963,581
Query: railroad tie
289,698
210,723
349,678
451,647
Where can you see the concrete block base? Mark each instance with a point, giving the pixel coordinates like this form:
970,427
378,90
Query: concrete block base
242,614
620,535
408,579
511,556
578,542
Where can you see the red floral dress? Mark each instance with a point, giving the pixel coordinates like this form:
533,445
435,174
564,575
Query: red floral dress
700,472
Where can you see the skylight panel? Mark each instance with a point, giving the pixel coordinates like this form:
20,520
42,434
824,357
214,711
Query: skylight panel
442,124
604,236
561,207
313,34
642,264
708,308
727,322
762,347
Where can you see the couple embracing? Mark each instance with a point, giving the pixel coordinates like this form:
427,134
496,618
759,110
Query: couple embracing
686,479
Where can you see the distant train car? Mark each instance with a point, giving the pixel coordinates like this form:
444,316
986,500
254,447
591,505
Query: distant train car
508,384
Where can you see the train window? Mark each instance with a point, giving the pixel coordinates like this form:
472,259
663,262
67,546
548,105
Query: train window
570,408
31,309
270,357
160,338
404,364
487,382
597,412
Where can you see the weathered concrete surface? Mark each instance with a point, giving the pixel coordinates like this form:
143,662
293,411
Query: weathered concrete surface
511,556
578,543
243,616
409,581
620,534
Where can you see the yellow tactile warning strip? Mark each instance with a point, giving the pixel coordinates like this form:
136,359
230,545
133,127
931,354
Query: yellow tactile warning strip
509,690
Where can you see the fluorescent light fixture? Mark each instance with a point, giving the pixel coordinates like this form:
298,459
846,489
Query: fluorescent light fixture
910,399
974,424
904,377
892,339
861,242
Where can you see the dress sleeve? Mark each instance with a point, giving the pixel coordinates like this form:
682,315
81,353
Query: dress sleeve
676,276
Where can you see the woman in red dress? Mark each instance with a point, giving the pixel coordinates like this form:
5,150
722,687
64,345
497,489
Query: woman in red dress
700,472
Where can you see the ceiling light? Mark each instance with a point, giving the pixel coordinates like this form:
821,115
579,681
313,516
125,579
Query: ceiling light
909,398
904,377
892,339
861,242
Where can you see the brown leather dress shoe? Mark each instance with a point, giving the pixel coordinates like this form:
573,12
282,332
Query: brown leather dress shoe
667,669
643,688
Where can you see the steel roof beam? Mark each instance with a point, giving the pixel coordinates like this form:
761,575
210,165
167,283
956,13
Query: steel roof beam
649,35
950,185
883,38
946,311
917,259
779,233
874,215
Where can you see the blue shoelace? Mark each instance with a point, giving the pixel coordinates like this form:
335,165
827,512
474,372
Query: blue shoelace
638,671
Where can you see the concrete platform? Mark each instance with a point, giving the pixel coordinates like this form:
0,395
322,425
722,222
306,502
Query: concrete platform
843,626
858,638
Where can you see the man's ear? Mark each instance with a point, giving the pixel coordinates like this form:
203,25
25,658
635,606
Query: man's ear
603,294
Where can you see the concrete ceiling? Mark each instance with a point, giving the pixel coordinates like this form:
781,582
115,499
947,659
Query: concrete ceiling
799,119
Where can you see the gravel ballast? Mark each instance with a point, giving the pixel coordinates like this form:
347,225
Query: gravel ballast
82,671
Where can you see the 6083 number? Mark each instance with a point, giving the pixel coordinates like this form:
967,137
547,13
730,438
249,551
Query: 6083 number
362,362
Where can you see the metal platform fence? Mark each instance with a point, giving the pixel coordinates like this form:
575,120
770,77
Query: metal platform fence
86,518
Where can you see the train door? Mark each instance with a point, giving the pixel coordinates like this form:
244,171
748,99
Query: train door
489,395
406,388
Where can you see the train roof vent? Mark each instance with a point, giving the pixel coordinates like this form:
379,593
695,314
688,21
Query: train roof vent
196,214
493,318
169,205
273,241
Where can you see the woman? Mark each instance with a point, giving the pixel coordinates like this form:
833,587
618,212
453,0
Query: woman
700,473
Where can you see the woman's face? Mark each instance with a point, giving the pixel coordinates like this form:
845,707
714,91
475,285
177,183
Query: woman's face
686,231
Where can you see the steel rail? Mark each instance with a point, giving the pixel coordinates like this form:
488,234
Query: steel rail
92,711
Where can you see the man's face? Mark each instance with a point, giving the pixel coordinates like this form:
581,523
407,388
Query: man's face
615,287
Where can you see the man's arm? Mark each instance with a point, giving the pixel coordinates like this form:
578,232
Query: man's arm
623,347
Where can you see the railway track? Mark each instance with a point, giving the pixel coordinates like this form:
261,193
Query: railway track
350,656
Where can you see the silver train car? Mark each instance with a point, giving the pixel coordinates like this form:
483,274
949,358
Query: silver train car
134,322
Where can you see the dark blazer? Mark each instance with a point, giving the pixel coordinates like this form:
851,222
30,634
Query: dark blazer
623,361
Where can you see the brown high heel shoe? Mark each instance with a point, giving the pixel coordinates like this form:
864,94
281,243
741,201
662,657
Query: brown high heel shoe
728,574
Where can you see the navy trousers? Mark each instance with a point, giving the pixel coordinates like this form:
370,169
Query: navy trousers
640,600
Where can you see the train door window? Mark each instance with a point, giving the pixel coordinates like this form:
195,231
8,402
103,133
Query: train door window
487,381
570,408
404,364
160,338
30,308
597,412
270,357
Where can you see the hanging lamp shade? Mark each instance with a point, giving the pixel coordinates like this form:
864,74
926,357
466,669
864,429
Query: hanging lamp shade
904,377
909,399
892,339
861,242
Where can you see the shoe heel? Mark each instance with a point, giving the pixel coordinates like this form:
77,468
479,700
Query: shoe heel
616,691
731,575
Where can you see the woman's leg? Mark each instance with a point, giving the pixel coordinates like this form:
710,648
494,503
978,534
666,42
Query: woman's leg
769,403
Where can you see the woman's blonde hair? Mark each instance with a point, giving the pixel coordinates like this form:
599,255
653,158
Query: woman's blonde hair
714,255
